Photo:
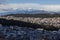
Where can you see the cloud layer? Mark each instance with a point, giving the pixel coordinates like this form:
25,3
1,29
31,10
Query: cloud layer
20,6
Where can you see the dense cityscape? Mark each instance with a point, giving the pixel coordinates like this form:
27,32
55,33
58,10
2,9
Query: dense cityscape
55,21
25,33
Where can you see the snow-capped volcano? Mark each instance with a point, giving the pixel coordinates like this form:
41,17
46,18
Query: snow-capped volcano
29,11
25,11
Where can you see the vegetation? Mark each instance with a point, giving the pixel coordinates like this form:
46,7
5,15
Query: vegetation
35,15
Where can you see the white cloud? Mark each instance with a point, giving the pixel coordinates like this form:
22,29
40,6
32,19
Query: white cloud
6,7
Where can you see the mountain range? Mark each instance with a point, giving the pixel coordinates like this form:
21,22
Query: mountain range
27,11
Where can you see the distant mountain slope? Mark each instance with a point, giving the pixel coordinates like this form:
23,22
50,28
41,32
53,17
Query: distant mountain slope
34,15
28,11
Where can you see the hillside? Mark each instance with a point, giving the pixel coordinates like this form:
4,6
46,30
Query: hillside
47,21
35,15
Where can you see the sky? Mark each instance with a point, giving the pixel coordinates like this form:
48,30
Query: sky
35,1
48,5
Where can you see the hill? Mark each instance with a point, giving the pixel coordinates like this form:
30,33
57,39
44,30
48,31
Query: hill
35,15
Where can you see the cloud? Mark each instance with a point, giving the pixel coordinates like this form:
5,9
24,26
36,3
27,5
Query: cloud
9,7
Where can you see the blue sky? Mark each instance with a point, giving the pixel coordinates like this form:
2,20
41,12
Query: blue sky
35,1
